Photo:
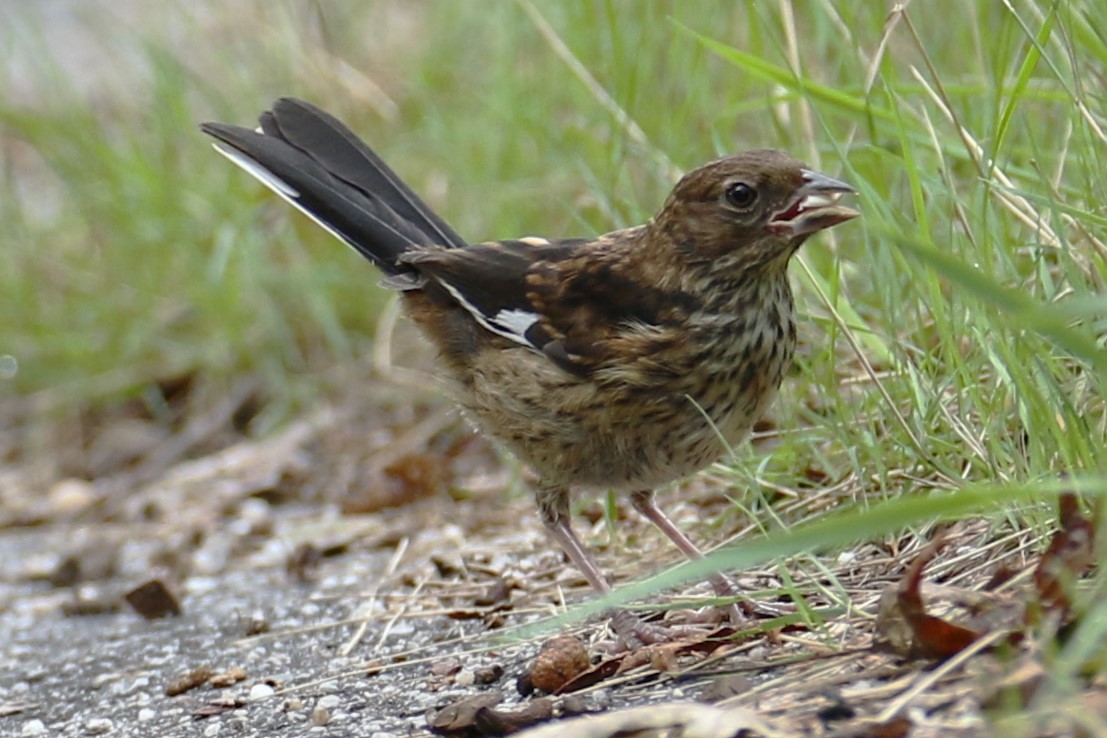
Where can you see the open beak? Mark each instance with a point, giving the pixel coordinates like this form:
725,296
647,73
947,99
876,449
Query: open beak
813,207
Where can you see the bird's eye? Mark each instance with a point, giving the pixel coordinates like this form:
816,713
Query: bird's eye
740,195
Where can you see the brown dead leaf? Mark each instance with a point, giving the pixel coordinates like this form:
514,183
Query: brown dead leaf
905,627
492,722
189,680
228,678
153,599
1070,553
459,718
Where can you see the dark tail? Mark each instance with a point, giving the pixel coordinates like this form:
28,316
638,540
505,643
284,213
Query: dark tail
318,165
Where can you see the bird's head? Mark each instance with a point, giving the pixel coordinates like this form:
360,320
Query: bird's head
754,208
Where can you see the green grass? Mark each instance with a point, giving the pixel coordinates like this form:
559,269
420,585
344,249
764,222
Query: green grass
972,286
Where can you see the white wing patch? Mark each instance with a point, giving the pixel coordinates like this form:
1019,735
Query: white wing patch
515,320
511,324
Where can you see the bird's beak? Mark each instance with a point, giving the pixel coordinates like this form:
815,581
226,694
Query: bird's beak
813,207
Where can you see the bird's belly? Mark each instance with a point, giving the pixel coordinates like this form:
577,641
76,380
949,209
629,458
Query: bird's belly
576,432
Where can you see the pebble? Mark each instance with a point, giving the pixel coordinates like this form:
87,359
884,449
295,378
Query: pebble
146,714
33,727
329,701
320,715
260,691
70,496
99,726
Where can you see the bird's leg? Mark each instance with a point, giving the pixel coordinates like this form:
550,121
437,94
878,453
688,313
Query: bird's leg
553,506
644,503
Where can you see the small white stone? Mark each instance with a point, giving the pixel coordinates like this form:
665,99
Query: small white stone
465,678
70,496
329,701
846,557
146,714
260,691
212,730
33,727
99,726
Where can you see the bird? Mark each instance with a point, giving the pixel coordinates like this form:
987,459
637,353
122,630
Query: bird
625,361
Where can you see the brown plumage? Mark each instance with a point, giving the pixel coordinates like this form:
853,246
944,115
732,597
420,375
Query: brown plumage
625,361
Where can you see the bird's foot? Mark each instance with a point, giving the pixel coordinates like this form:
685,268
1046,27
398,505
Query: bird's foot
736,614
633,632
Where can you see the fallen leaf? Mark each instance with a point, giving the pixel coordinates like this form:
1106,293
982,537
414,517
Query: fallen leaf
1070,554
153,600
189,680
905,627
459,718
492,722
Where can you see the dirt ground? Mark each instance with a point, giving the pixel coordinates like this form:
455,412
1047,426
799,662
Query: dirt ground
366,570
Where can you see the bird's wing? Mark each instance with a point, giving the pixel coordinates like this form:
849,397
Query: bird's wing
560,298
489,280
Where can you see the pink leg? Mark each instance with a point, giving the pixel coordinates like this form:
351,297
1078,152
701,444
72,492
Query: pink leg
553,504
562,531
645,504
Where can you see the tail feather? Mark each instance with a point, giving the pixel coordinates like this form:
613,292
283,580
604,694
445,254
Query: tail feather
343,154
319,166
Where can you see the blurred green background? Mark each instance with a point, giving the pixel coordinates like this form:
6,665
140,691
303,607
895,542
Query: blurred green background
133,254
954,333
